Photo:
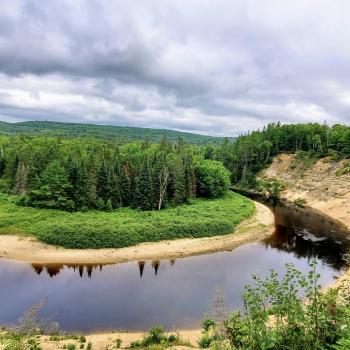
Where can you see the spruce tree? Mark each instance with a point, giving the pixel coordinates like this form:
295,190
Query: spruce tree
144,195
53,188
125,185
103,188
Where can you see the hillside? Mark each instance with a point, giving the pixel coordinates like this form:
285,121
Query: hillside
323,184
106,132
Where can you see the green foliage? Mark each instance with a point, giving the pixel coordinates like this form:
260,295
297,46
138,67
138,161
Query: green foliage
207,324
304,160
276,315
118,343
125,227
300,202
81,174
156,338
213,179
270,188
16,341
205,340
52,190
345,169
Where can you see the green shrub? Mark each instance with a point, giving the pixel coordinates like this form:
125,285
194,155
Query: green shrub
205,340
207,324
118,343
277,316
213,179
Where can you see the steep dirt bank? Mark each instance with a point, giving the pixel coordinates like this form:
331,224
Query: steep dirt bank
33,251
319,185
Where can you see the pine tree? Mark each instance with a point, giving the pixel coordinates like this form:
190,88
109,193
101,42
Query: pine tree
103,189
179,182
144,195
53,188
80,185
125,183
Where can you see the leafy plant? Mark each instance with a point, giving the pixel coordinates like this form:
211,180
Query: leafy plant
270,187
276,315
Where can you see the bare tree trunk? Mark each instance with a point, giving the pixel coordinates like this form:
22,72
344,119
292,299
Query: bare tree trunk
164,179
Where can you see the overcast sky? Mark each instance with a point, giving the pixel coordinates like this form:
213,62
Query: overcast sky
216,67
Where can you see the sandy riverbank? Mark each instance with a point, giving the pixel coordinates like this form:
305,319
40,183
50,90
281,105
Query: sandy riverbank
31,250
102,341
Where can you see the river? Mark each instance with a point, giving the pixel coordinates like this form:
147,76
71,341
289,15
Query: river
176,293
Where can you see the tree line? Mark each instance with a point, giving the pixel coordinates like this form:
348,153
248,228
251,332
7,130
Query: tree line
251,152
85,173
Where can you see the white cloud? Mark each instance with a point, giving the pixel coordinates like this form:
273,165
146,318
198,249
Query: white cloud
211,67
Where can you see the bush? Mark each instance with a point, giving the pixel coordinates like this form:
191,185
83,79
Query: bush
270,187
276,315
213,179
157,337
205,340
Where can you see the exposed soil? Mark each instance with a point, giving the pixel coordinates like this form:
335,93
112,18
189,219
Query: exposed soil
319,185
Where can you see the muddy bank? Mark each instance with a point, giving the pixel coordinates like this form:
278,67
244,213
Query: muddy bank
30,250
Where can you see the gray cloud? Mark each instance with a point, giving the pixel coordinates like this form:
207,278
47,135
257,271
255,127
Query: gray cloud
218,67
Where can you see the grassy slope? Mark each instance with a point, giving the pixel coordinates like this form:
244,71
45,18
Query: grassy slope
106,132
124,227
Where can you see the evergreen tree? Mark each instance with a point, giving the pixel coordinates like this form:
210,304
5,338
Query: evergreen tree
144,195
103,189
179,182
124,188
53,188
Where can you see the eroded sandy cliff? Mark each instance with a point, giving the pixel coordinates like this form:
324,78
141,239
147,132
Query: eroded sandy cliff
321,184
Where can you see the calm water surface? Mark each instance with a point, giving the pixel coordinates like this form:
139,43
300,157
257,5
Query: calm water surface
176,293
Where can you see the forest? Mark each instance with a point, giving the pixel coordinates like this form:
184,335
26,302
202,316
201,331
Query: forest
119,134
81,174
89,173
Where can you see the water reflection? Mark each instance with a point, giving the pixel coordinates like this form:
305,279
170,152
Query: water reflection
306,245
54,269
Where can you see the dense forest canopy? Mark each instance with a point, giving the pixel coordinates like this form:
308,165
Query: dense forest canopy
85,173
90,173
119,134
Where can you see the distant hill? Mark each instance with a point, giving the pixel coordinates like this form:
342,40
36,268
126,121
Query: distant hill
106,132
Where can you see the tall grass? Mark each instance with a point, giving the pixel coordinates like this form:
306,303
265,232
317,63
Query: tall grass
124,227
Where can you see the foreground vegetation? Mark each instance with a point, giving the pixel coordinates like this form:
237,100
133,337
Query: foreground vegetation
289,312
124,227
